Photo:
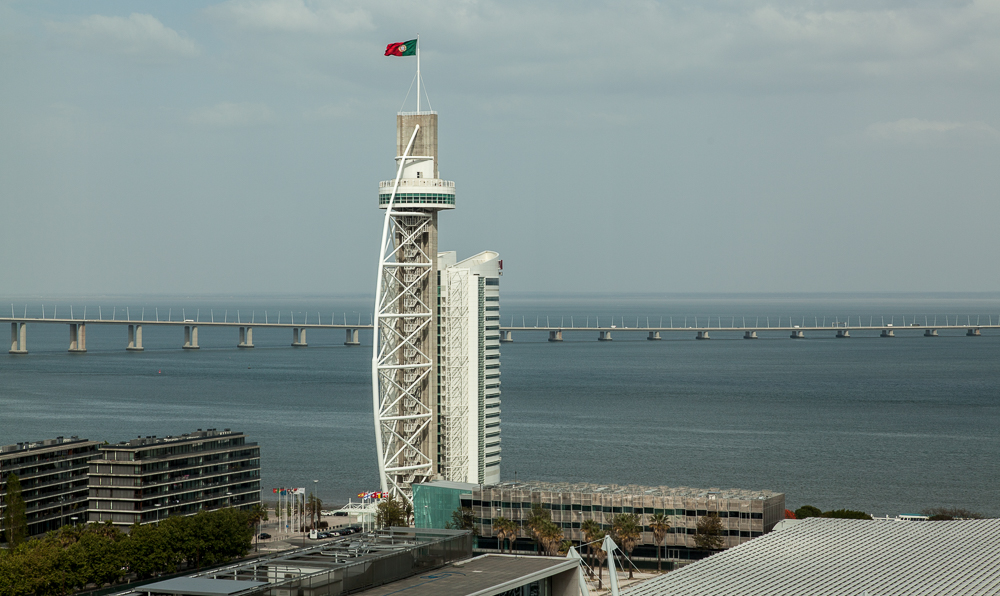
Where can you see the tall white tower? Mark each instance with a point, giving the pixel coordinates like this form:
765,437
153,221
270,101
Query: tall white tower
436,355
404,360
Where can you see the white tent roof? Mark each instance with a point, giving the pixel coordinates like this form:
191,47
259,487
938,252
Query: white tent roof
846,557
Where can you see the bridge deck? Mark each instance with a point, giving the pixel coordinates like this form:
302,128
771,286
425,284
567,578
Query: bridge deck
513,328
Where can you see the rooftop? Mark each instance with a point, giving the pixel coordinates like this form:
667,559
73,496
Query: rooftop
344,564
198,586
822,556
487,574
198,435
45,444
635,490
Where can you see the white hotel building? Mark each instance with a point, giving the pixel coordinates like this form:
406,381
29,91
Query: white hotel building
469,368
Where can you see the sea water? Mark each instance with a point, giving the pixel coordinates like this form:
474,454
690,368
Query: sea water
884,425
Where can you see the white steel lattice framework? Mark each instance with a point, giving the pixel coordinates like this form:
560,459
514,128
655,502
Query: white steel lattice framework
402,355
453,366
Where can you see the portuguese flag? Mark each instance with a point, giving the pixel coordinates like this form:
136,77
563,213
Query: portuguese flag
402,48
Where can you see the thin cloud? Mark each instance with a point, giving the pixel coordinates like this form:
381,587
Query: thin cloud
332,111
291,16
231,115
915,130
138,35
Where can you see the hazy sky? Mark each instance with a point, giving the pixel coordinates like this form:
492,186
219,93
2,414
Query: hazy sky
711,146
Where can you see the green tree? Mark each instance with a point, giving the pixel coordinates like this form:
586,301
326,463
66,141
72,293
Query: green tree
258,514
13,580
151,549
626,531
948,513
390,512
591,529
660,524
505,529
807,511
15,518
463,518
846,514
103,548
709,532
73,557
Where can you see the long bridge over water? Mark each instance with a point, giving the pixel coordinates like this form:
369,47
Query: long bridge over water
698,328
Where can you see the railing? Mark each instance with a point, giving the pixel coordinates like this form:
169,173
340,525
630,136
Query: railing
422,182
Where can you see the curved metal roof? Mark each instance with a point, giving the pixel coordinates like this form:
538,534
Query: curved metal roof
846,557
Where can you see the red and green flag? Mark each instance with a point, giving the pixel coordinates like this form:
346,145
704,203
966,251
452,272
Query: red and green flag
402,48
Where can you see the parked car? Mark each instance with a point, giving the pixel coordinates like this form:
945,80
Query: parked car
264,536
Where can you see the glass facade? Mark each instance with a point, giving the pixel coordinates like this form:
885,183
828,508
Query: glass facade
409,198
434,503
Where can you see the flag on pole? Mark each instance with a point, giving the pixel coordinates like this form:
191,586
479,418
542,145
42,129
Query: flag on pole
402,48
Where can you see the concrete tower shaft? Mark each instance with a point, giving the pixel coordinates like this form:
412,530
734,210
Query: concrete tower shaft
426,143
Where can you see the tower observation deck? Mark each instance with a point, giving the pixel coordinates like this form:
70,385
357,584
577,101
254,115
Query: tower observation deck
420,186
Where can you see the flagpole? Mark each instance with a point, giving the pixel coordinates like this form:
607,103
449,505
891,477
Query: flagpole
418,73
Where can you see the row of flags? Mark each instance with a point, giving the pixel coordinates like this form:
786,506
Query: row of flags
302,491
288,491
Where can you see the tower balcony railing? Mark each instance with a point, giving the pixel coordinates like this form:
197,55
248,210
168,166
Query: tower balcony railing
418,182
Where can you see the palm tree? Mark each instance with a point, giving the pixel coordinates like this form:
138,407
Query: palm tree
548,535
601,555
311,510
536,523
591,529
551,536
660,524
505,529
626,531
